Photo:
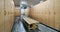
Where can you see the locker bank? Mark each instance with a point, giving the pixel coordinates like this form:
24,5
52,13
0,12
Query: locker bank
29,15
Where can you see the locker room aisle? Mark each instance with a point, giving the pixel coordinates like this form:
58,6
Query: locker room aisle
18,27
29,15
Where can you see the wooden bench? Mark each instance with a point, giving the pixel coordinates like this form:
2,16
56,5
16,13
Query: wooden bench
31,23
30,20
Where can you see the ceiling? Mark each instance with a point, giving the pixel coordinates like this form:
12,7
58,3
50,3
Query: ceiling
30,2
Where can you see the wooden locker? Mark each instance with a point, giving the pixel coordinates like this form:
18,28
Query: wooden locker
48,18
47,13
44,11
57,14
52,17
47,22
38,12
57,22
9,17
32,9
17,11
52,20
1,15
41,12
34,12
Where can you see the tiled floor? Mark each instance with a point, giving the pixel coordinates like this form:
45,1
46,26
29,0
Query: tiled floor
18,27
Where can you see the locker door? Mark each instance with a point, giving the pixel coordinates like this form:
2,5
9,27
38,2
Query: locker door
52,17
41,13
46,12
57,14
1,15
9,17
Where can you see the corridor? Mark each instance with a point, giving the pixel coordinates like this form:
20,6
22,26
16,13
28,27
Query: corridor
18,27
29,15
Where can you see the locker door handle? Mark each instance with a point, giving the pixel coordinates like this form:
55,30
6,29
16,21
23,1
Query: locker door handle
4,12
54,13
0,12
